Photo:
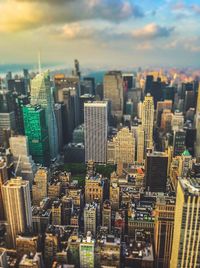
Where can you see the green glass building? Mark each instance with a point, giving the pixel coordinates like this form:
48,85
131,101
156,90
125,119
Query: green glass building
37,133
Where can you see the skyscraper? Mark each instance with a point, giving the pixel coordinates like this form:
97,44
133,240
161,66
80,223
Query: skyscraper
37,133
186,242
156,171
17,204
122,148
42,94
90,218
23,162
179,142
163,230
148,120
3,179
197,147
113,91
7,114
96,129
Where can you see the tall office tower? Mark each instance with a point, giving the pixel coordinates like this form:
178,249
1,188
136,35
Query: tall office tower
166,119
58,115
83,99
7,114
90,218
86,251
68,89
138,133
156,171
42,94
113,91
96,129
177,121
185,163
20,102
186,246
17,205
121,148
197,145
148,120
139,110
163,230
23,163
91,83
106,214
128,81
3,179
148,83
37,133
179,142
39,189
162,105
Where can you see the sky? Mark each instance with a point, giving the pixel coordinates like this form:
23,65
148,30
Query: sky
101,32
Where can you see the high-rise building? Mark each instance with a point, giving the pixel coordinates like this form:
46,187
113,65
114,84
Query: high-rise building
90,218
163,230
7,114
86,250
39,188
23,162
96,130
121,148
113,91
139,138
17,205
177,121
3,179
148,120
106,215
197,147
42,94
186,246
185,163
156,171
179,142
37,133
58,115
166,119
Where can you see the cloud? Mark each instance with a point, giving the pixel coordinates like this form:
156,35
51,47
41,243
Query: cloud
19,15
196,8
152,31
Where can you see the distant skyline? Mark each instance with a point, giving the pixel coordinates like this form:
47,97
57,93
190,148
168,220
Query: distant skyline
101,32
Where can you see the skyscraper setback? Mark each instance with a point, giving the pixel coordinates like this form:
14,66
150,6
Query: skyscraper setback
17,202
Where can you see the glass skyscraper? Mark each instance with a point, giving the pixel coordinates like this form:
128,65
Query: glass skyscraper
41,93
37,133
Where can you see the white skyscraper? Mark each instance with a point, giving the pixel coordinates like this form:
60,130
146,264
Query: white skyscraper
23,163
17,204
96,129
147,120
41,93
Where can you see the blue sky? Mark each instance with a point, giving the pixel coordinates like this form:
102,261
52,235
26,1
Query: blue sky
101,32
